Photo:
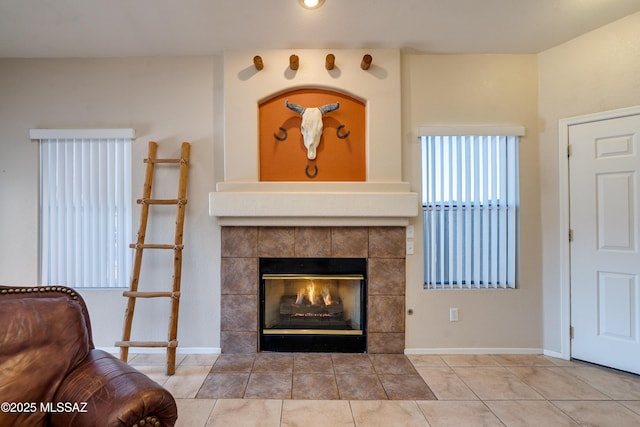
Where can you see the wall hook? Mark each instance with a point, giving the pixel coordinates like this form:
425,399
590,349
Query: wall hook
294,62
342,135
329,62
366,62
257,62
281,138
311,175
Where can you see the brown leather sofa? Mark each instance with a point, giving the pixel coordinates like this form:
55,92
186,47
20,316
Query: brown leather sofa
51,374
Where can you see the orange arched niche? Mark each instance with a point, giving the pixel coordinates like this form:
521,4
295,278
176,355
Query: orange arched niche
337,159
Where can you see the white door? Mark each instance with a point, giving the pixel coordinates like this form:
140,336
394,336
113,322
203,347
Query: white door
604,178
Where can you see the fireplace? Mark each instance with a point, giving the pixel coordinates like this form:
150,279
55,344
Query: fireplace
382,248
313,304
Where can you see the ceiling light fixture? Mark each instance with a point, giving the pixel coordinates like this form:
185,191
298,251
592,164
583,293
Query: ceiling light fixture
311,4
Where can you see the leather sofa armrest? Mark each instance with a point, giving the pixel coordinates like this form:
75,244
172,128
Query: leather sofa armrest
104,391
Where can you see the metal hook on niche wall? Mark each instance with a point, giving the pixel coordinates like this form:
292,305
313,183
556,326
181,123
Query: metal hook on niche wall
342,135
284,134
315,172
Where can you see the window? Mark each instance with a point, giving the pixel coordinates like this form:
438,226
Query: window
470,206
85,207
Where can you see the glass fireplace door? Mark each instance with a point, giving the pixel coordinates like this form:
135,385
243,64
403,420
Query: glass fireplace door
313,305
305,304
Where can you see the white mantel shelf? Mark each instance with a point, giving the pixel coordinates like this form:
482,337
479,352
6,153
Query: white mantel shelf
313,204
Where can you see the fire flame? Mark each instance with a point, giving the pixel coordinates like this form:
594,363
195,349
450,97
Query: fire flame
314,295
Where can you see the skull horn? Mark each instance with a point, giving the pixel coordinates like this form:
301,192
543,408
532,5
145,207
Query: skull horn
294,107
327,108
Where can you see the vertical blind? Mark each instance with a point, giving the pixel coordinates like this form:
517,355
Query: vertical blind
470,202
85,211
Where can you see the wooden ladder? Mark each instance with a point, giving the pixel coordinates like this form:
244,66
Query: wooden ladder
172,343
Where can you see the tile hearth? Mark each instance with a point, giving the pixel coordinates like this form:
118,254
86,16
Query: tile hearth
314,376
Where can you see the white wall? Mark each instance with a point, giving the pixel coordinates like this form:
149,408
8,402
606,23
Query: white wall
595,72
166,100
475,89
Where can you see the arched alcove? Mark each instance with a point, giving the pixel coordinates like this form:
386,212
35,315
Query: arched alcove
341,153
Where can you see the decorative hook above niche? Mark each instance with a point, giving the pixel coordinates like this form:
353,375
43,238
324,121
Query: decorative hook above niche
294,62
330,61
257,62
366,62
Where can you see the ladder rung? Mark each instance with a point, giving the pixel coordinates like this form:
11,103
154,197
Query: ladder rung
161,201
164,160
138,294
155,246
168,344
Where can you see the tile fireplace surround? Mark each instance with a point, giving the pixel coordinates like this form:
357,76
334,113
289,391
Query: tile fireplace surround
384,247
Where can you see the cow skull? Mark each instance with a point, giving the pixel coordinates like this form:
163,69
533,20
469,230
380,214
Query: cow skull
312,125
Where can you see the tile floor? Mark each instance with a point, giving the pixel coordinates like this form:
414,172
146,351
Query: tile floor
471,390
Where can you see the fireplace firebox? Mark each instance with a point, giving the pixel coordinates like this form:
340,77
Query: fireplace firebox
313,305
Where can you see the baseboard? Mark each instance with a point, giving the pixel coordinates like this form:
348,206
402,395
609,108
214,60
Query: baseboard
179,350
473,351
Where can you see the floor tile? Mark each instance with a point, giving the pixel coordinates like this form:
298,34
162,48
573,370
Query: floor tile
187,380
316,413
601,413
554,383
633,405
246,412
495,383
315,387
158,373
353,364
445,384
223,386
234,363
356,387
562,362
194,412
311,363
459,413
523,360
529,413
406,387
616,385
199,359
469,360
268,386
419,360
152,358
273,363
392,364
401,413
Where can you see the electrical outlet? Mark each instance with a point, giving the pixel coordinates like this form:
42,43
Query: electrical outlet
453,314
409,247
